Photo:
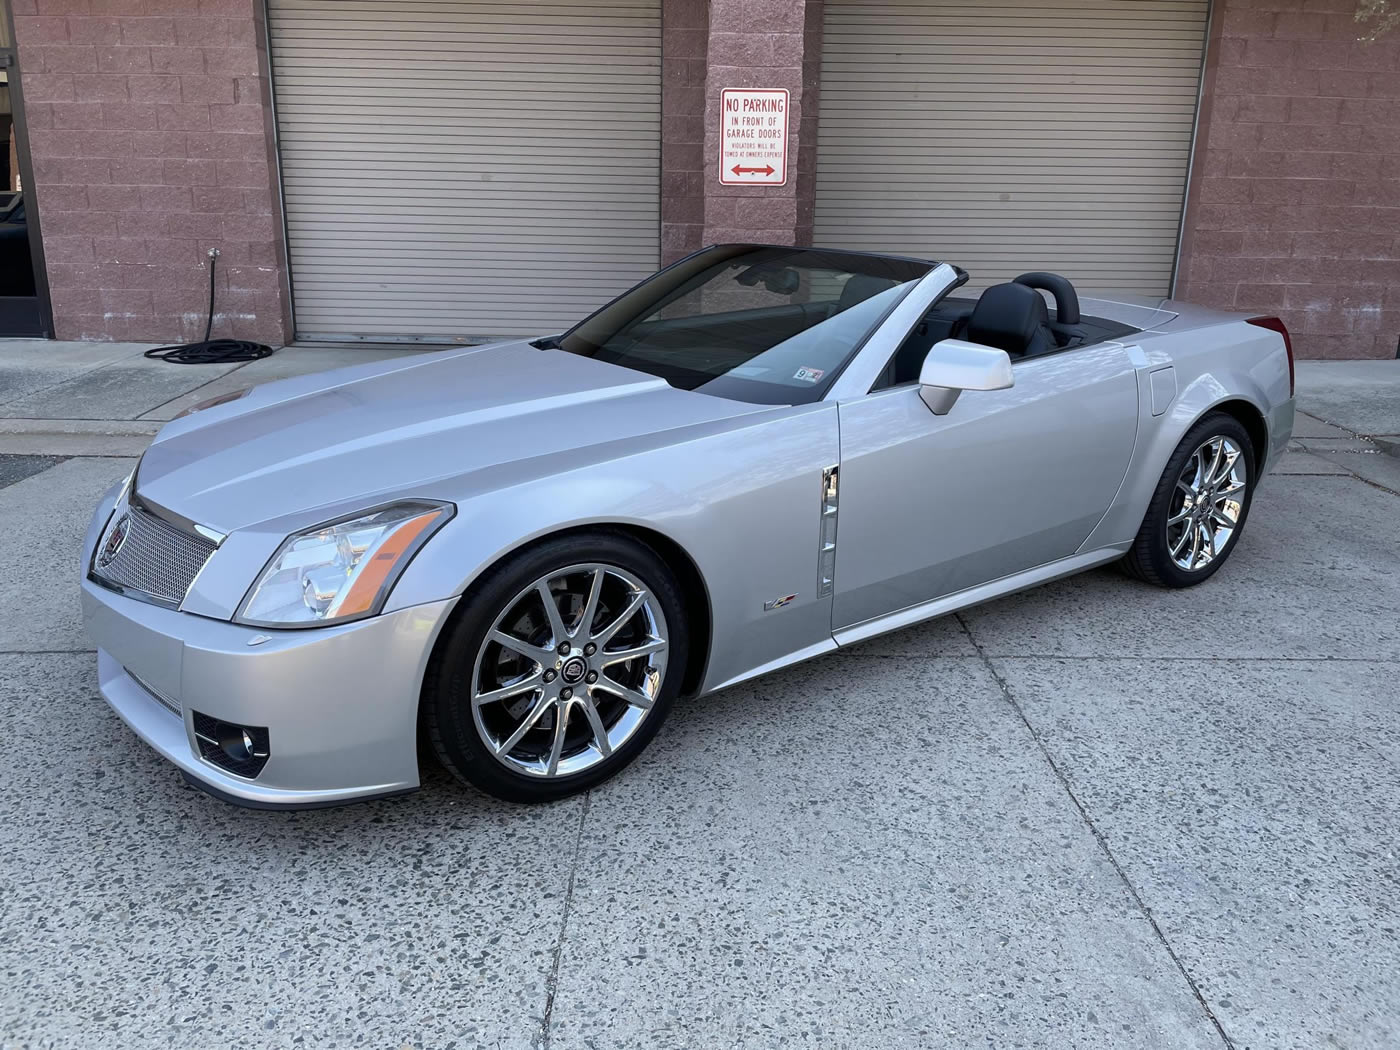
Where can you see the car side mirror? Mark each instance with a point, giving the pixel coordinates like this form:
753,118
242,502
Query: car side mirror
954,365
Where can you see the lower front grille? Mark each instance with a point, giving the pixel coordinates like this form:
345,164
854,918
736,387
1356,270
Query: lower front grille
152,557
168,702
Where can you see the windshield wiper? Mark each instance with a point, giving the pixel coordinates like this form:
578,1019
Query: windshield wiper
549,342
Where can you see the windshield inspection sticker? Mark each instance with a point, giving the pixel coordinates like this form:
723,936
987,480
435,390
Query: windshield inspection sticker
809,375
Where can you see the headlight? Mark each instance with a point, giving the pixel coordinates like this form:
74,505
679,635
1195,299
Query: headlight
114,532
220,399
342,570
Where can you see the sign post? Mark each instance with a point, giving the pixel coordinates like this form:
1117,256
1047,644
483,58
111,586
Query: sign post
753,137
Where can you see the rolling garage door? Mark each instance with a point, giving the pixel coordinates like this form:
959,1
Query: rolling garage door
1012,135
456,169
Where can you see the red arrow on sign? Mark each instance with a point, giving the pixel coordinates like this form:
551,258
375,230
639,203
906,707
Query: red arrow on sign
767,169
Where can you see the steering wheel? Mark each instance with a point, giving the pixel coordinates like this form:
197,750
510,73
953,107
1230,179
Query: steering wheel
1066,299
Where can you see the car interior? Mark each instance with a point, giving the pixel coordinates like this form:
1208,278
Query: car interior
1013,317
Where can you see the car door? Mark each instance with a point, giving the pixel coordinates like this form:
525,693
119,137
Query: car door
1008,480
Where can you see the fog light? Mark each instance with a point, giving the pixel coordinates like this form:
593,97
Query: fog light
237,743
240,750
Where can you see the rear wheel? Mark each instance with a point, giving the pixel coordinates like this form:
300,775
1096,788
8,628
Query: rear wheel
1199,507
561,669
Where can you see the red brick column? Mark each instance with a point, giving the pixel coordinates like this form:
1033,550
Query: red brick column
685,33
1294,203
763,44
151,142
806,153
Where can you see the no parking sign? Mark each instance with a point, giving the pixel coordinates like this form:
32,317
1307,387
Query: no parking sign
753,136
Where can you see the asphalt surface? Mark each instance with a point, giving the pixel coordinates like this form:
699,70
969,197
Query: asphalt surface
17,468
1094,815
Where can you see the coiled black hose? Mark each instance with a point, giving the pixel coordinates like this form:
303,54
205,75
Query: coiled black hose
211,351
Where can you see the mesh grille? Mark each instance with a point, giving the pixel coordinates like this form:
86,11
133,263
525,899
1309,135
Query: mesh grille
156,558
168,702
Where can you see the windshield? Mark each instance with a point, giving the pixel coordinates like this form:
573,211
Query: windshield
766,325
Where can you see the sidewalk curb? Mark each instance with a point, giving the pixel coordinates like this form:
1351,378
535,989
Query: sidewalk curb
88,427
120,438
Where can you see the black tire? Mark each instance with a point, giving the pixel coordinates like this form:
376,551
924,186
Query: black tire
446,705
1150,558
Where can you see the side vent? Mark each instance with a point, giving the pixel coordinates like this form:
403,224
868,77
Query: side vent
826,558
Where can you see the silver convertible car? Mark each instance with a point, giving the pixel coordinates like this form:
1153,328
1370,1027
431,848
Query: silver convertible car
519,555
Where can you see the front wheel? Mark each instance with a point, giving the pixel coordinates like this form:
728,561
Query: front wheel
1199,507
560,669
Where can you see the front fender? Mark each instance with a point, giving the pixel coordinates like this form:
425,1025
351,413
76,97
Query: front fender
743,503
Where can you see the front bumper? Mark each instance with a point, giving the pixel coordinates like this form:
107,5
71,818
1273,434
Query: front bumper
340,703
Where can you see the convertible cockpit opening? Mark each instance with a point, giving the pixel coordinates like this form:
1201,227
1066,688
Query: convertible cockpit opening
776,325
1015,317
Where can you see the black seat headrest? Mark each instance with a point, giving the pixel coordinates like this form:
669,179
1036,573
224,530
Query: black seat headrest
1066,298
1010,317
860,287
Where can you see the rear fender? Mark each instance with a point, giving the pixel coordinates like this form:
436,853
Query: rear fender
1219,366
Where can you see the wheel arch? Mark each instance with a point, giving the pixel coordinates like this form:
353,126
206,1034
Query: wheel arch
698,607
1249,416
1159,440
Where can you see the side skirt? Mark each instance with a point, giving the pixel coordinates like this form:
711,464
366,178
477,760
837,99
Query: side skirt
929,610
826,645
983,592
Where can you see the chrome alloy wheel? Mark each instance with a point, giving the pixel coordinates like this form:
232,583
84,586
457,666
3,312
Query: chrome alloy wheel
1205,509
569,670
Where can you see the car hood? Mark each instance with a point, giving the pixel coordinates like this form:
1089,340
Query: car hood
421,426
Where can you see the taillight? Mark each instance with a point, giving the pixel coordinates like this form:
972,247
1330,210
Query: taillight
1273,324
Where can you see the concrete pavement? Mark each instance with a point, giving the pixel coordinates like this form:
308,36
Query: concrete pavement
1361,396
1354,419
1097,814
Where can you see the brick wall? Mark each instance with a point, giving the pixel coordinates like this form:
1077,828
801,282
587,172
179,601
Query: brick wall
806,152
149,132
1294,207
685,28
151,142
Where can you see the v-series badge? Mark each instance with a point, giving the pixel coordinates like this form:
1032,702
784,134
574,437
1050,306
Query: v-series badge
778,603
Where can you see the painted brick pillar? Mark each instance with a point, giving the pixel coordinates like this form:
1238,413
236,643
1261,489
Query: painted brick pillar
736,44
151,142
1294,203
